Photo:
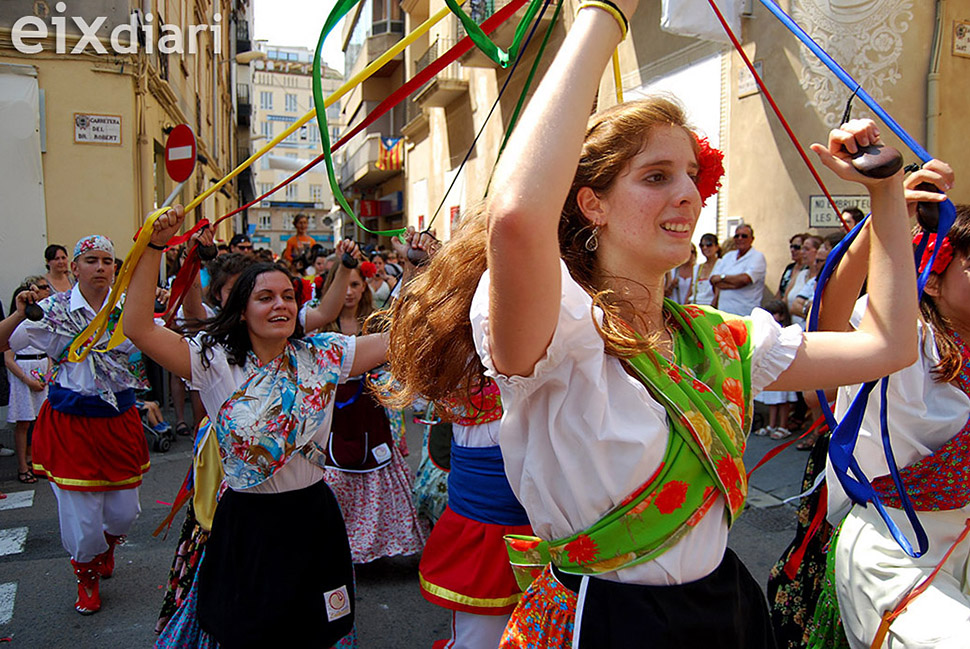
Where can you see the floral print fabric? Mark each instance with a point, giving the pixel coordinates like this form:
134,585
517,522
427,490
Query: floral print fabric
940,481
544,618
279,408
707,398
109,367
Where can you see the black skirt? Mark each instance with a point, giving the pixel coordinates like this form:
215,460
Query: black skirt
277,571
724,610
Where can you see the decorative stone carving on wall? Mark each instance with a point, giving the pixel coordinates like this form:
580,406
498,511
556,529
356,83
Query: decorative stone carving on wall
863,36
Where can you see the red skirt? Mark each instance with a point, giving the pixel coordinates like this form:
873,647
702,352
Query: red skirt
465,566
90,453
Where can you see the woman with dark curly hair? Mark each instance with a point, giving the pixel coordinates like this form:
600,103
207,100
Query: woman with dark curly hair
269,391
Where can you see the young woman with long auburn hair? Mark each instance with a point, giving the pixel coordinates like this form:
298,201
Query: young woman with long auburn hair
626,416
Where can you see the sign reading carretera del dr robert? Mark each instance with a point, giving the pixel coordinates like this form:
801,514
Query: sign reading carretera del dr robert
180,153
97,129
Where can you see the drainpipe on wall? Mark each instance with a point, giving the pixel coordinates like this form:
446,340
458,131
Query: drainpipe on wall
933,79
146,149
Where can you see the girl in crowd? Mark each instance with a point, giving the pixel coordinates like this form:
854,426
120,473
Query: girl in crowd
270,392
28,389
679,283
804,280
625,416
58,275
928,413
381,283
703,291
365,468
792,269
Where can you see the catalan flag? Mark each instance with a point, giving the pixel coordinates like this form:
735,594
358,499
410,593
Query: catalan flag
391,156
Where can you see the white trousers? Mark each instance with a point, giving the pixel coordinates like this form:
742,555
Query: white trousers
873,574
86,515
470,631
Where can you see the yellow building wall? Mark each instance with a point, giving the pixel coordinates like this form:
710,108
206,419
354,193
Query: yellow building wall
88,188
769,185
953,132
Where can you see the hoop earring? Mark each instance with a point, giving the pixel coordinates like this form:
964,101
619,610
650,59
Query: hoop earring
593,242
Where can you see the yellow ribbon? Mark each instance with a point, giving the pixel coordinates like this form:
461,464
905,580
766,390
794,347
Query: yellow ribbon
82,345
617,80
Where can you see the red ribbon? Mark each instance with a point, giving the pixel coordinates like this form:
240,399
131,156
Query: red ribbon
943,258
187,273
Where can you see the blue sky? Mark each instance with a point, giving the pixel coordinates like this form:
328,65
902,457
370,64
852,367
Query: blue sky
298,22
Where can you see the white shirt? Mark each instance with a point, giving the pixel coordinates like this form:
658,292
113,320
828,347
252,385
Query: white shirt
807,292
744,300
220,380
703,290
682,286
580,434
78,377
923,415
477,436
797,284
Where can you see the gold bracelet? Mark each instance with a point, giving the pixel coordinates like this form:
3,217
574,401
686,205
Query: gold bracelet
611,9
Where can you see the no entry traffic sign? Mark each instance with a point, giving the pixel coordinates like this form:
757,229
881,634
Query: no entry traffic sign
180,153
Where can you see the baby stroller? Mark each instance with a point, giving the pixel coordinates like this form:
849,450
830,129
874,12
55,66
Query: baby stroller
162,434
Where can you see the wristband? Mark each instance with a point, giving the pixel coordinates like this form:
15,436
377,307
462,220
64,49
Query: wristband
154,247
610,8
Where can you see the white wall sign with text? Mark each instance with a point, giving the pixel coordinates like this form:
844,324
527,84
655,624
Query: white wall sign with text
97,129
820,214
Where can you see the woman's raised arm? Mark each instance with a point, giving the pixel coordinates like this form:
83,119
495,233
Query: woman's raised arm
842,290
534,176
164,346
332,300
886,340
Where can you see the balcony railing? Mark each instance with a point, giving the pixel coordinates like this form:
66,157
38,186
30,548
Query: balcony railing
359,168
243,41
436,49
244,104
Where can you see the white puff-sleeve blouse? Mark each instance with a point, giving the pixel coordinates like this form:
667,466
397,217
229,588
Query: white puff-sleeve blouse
580,434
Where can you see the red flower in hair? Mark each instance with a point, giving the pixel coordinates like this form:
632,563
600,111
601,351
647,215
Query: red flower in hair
711,167
368,269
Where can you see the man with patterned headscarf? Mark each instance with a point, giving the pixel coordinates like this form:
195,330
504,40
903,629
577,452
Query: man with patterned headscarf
88,439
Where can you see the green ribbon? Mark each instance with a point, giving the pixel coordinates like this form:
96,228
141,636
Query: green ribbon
339,11
478,37
525,91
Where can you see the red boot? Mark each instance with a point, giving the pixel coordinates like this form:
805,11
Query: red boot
88,597
106,560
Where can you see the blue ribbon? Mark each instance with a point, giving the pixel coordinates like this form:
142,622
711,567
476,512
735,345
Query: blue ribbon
845,433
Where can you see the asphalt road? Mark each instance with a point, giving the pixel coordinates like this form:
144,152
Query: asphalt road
37,585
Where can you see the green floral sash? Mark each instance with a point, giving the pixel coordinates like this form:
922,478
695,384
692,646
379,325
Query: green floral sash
707,396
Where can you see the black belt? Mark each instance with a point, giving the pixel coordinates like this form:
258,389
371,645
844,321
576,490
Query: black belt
569,580
30,357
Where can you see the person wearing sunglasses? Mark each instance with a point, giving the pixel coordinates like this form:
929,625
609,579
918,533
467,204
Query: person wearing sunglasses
242,244
791,270
28,389
739,277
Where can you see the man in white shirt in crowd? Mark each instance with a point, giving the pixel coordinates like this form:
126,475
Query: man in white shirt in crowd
739,276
